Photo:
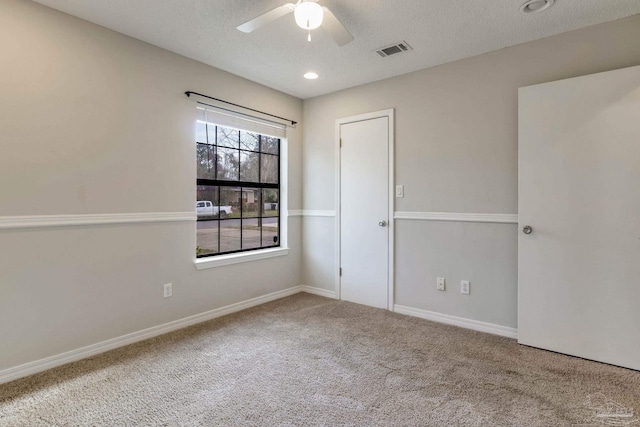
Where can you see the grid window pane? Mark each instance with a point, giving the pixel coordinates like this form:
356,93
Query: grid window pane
270,145
250,202
211,133
230,200
207,227
201,132
207,237
228,137
249,141
206,161
230,235
269,169
207,200
228,164
270,232
249,166
251,236
270,202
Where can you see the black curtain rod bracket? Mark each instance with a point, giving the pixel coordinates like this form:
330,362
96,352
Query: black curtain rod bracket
189,93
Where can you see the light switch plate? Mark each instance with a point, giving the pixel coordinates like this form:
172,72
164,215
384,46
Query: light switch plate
399,190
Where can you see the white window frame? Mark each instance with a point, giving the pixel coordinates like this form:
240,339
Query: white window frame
259,254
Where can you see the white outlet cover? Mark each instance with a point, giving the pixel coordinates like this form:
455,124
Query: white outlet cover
440,284
465,287
168,290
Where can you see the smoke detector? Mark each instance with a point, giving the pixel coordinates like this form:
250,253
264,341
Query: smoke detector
394,49
535,6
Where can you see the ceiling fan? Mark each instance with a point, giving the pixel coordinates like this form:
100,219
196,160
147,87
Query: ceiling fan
309,15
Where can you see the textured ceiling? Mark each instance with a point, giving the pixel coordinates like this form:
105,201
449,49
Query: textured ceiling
278,55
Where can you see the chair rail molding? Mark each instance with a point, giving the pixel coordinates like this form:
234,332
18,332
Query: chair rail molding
317,213
47,221
458,217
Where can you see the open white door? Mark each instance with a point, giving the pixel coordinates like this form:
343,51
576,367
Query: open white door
365,215
579,191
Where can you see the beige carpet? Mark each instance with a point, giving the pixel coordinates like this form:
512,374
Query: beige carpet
311,361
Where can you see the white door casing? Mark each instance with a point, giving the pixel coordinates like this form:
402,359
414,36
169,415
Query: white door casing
364,198
579,190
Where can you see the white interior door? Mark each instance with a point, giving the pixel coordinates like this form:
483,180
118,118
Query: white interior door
364,211
579,190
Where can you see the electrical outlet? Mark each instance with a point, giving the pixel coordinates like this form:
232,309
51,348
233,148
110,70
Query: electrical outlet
168,290
440,285
465,287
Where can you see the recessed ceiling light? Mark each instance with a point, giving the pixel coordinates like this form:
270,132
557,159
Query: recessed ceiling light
311,76
535,6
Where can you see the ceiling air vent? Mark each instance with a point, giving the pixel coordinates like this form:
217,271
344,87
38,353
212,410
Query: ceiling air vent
394,49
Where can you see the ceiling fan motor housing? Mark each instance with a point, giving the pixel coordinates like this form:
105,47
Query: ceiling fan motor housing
308,15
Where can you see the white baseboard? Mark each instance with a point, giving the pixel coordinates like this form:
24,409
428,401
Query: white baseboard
476,325
318,291
34,367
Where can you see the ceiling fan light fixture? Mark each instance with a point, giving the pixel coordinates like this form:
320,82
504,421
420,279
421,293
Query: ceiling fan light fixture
308,15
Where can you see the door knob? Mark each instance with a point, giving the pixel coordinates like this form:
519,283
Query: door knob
382,223
527,229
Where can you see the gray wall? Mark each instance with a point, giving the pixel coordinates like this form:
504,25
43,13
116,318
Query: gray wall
456,151
94,122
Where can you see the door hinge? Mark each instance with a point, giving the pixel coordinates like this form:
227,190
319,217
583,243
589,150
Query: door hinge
341,271
340,142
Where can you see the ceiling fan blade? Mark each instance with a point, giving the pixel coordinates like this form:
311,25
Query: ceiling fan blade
266,18
336,30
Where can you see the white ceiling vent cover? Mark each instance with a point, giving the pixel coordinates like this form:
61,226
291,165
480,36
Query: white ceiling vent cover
394,49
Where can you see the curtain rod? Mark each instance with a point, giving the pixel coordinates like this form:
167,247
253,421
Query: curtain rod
189,93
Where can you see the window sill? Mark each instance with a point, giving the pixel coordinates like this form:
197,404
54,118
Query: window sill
222,260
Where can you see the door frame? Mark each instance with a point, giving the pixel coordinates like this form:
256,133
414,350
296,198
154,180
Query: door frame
390,115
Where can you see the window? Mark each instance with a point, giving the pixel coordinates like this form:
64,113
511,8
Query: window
238,188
